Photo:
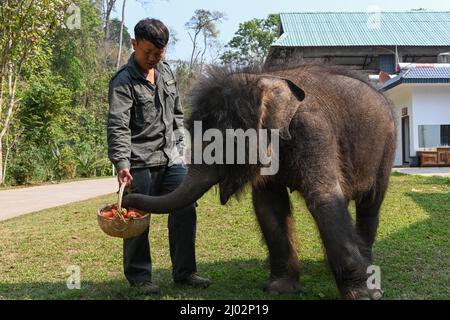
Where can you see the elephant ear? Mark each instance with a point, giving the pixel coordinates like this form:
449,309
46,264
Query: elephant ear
280,100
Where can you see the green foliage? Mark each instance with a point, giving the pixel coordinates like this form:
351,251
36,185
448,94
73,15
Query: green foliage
114,33
203,33
43,113
59,129
204,21
44,117
25,24
88,165
252,41
184,81
22,170
75,52
66,164
27,166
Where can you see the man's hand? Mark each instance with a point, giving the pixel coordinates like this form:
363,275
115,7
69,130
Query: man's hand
124,176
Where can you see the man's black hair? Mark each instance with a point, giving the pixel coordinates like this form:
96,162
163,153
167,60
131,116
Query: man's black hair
152,30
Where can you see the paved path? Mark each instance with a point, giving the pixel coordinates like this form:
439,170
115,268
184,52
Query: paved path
20,201
434,171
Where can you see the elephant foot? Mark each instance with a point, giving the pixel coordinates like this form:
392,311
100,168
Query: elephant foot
282,285
362,293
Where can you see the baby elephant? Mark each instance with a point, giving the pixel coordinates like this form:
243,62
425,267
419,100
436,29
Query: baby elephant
335,143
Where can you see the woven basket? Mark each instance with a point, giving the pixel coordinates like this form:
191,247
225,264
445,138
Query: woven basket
120,227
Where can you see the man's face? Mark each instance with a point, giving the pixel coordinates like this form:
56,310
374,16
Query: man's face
147,55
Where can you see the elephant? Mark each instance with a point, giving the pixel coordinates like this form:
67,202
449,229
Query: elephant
337,140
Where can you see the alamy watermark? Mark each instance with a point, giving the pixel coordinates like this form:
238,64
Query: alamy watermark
74,279
374,279
73,21
374,19
234,146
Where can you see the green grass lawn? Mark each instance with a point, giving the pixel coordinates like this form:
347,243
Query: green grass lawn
412,250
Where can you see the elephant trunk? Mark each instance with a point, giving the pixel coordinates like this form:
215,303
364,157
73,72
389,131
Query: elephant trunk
199,179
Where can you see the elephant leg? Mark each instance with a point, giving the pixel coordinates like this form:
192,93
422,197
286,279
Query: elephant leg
368,212
329,209
367,219
273,211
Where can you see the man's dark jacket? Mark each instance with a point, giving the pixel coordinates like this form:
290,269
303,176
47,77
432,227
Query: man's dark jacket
145,123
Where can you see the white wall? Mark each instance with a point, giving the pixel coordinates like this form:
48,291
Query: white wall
431,105
401,97
428,104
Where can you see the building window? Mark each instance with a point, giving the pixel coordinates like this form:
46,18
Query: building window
445,135
431,136
387,63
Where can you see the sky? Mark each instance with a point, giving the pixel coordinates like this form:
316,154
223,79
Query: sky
175,13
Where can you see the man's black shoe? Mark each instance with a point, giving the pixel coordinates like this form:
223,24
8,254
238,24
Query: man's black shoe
195,281
147,287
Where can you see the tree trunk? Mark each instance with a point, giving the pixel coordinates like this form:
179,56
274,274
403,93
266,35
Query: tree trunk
2,178
13,75
1,93
194,48
202,59
109,7
5,164
119,55
12,83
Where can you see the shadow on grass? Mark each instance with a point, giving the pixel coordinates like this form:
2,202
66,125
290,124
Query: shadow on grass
415,261
235,279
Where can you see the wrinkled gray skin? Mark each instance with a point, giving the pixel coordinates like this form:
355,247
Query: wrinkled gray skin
337,144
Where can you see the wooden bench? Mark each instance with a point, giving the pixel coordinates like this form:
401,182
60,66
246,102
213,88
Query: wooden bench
440,157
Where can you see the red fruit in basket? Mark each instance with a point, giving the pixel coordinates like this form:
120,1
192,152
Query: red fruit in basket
107,214
134,214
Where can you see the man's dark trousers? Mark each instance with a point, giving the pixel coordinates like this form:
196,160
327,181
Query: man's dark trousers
181,224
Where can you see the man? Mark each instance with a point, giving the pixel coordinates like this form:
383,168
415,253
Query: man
144,118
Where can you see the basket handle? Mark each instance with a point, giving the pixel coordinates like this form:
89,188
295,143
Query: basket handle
119,201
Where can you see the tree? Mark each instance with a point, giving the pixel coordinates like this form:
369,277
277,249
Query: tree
24,25
252,41
114,33
45,117
122,24
108,7
77,55
184,82
202,23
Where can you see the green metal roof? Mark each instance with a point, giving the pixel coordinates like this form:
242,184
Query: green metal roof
414,28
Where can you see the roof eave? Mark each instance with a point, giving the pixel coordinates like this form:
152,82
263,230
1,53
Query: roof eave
414,81
391,85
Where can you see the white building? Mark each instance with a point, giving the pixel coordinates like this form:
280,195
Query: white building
380,42
421,96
